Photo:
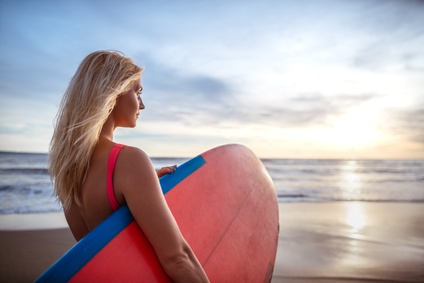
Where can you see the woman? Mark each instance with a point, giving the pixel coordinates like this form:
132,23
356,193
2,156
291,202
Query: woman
105,94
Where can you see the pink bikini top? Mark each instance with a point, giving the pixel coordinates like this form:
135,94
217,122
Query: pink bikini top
113,156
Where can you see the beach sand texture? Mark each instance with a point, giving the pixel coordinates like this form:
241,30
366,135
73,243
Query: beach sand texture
319,242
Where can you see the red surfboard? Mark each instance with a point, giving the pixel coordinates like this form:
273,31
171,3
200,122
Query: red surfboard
225,204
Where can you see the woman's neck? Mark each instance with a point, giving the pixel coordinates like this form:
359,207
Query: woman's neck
107,130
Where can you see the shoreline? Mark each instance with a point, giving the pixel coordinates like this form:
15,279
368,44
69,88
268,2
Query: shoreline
57,220
318,242
32,221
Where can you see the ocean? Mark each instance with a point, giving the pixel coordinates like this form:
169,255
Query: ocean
25,186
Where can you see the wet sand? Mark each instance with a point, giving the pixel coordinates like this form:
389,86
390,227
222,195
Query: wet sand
24,255
319,242
350,242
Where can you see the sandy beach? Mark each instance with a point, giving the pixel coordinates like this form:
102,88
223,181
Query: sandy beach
319,242
350,242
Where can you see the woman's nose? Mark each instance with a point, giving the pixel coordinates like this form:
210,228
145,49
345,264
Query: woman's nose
141,104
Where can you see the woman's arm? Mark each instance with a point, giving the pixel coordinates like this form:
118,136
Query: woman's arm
136,179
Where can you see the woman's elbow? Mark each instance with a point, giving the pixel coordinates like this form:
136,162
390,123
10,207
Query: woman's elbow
184,267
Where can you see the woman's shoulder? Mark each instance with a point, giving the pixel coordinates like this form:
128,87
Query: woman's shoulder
134,171
131,157
132,151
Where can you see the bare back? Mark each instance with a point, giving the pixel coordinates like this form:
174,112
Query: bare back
96,207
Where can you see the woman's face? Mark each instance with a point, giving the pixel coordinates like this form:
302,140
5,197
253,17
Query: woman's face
128,106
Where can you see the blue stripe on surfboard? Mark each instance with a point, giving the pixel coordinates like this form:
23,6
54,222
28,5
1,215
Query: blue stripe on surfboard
88,247
169,181
83,251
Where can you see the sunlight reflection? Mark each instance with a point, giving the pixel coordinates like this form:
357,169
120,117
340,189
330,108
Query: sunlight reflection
350,180
355,218
354,249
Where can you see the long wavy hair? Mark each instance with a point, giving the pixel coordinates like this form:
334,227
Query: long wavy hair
89,99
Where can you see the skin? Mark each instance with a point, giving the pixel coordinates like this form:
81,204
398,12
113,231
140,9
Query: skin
136,184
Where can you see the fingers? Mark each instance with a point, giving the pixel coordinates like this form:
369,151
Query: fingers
166,170
171,169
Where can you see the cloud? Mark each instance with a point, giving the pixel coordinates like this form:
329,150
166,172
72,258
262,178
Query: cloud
390,36
168,80
386,56
409,123
305,110
229,110
180,94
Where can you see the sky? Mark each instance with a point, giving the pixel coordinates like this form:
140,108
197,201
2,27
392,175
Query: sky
288,79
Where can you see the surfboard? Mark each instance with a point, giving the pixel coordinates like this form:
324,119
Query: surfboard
225,204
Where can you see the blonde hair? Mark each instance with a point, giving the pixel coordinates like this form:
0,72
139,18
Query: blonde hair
89,99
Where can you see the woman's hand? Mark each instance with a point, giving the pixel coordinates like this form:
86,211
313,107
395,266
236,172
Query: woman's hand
166,170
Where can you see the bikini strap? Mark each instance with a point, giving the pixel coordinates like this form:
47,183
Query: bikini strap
113,156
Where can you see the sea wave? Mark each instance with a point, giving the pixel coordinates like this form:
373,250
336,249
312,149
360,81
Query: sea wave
14,171
25,186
